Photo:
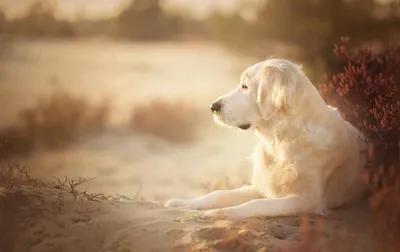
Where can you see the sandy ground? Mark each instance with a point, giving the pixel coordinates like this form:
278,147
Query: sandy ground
41,219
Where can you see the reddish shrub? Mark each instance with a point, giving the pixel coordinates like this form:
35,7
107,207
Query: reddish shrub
367,92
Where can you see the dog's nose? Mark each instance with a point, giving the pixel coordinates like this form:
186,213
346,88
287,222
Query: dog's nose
216,106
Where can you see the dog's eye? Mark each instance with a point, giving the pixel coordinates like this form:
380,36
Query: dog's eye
244,86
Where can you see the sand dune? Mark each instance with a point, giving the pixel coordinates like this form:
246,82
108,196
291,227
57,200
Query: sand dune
41,219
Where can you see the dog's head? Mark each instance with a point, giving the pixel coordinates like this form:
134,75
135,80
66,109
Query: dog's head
265,89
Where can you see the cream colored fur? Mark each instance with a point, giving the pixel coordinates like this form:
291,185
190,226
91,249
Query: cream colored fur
308,158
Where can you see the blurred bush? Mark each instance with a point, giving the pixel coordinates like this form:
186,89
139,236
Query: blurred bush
367,92
61,119
308,29
140,20
145,20
174,121
300,30
39,21
54,123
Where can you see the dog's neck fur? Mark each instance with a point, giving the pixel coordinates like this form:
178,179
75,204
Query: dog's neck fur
286,123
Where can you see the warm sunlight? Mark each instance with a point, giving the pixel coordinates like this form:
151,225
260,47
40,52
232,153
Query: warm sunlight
188,125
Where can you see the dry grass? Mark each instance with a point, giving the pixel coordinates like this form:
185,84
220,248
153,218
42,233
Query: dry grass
16,186
16,178
12,174
174,121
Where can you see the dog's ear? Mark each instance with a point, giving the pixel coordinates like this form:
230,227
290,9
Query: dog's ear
275,91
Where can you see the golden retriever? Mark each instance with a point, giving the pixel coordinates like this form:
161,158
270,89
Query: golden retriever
308,158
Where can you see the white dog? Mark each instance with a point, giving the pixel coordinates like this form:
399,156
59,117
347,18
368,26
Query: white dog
308,158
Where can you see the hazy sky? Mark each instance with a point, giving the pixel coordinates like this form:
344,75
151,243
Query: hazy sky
98,8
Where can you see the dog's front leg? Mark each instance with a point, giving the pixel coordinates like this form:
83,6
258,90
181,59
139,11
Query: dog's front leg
218,199
289,206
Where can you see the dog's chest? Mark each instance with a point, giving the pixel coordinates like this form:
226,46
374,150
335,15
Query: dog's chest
270,178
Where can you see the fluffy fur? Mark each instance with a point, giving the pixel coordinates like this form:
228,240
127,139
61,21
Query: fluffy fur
308,158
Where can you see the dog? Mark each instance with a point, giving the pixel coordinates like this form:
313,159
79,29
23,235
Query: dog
308,158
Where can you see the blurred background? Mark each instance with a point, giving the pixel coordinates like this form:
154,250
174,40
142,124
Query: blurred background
119,90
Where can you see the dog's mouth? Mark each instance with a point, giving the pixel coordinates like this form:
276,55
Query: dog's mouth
244,126
218,119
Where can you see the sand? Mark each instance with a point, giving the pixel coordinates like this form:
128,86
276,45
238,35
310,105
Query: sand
45,219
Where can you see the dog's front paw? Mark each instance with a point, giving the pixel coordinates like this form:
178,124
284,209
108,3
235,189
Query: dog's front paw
176,203
191,204
215,213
